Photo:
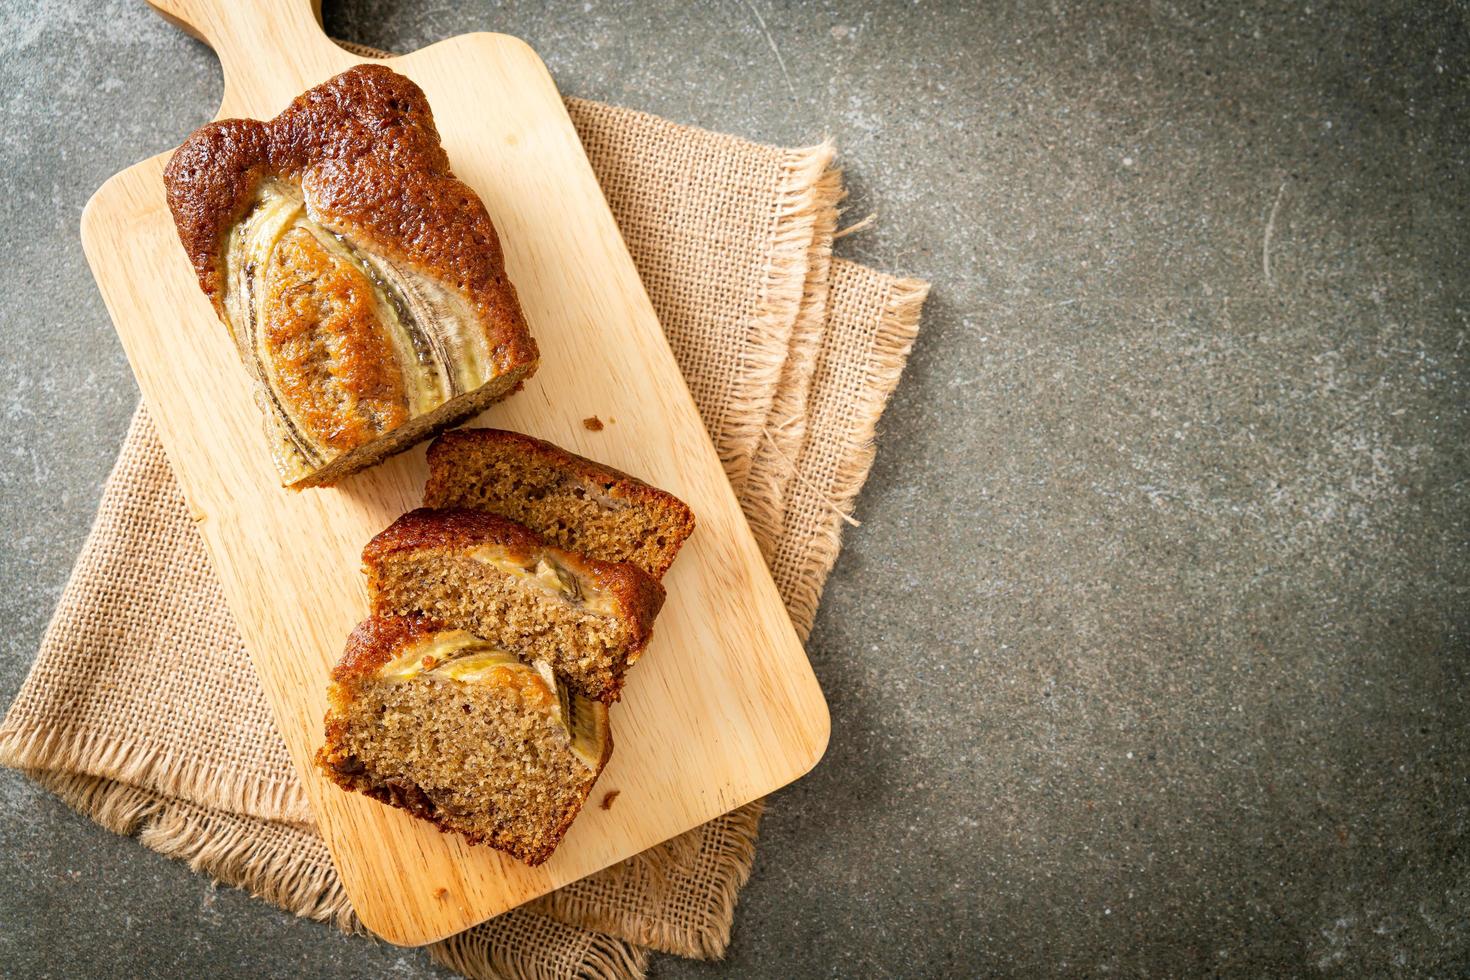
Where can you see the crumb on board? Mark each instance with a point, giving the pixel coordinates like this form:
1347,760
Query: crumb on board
441,893
608,797
592,424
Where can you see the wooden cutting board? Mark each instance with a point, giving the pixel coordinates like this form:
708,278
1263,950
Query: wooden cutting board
722,709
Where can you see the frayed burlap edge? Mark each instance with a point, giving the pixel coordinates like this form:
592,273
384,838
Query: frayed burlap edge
889,352
735,860
475,954
783,431
141,764
189,833
93,754
802,208
90,754
228,850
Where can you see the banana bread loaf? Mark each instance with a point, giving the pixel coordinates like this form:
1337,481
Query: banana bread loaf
589,619
362,283
571,501
456,731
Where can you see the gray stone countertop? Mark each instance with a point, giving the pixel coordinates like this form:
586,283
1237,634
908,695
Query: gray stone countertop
1150,655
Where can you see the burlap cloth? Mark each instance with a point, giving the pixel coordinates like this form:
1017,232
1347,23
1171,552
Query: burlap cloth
142,710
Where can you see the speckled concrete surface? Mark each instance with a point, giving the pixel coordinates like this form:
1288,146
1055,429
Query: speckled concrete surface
1151,653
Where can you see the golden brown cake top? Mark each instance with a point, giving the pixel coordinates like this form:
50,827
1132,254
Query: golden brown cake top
378,640
363,148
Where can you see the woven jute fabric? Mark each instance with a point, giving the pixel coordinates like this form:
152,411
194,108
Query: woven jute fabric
142,710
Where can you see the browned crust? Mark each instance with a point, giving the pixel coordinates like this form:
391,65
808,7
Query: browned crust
377,640
615,483
639,594
373,643
364,148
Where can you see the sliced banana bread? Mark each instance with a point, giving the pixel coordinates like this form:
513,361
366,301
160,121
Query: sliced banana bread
570,500
462,733
589,619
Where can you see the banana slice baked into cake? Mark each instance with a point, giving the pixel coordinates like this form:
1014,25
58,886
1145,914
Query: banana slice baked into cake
459,732
362,283
571,501
589,619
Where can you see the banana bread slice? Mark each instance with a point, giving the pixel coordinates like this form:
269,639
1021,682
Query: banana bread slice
361,282
459,732
589,619
568,499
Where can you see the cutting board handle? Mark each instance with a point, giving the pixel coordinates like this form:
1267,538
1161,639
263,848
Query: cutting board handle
259,43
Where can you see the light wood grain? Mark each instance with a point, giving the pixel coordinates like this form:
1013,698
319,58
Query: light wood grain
721,710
